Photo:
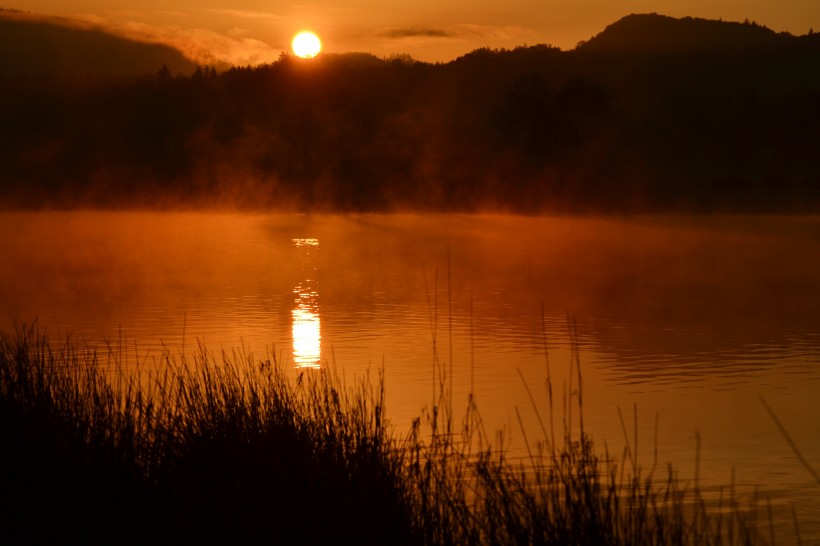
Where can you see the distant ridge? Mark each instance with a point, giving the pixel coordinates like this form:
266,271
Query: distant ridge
38,45
652,32
661,115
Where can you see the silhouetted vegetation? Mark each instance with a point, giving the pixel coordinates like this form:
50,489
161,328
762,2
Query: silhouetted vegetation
654,113
214,450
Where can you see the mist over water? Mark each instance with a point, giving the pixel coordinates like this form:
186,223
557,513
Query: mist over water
678,325
613,125
685,319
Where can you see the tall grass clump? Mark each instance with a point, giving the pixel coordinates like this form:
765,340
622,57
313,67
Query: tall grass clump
209,450
228,449
566,495
564,491
72,444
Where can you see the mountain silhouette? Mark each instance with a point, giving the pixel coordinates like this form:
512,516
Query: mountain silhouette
38,45
653,33
652,114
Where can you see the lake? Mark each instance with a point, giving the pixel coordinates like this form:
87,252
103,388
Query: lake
681,323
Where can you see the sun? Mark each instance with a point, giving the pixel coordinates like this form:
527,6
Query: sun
306,45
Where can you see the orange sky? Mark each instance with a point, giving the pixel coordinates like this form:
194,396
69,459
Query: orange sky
255,31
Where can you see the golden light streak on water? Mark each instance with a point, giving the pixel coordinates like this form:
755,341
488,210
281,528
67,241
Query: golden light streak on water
305,242
689,319
306,328
307,332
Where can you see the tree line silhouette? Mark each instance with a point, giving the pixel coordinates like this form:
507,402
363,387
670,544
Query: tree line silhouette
712,116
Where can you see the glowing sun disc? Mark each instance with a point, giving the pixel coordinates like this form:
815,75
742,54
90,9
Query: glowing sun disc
306,45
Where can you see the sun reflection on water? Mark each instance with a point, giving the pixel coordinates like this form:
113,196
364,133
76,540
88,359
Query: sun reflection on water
306,328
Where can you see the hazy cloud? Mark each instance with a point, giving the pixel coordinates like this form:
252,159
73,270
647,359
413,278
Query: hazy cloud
237,31
245,14
416,32
206,46
509,32
461,32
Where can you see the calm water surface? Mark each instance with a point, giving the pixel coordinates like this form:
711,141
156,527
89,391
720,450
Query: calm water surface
681,321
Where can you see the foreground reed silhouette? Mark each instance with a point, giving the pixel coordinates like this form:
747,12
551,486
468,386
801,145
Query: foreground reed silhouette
227,449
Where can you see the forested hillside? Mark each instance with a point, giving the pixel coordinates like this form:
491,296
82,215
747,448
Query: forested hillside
653,113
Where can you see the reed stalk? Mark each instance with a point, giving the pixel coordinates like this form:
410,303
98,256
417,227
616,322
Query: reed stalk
218,448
